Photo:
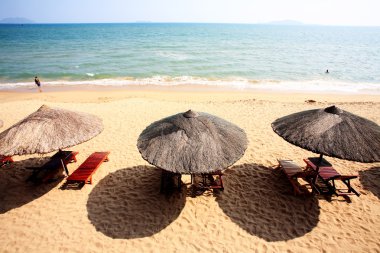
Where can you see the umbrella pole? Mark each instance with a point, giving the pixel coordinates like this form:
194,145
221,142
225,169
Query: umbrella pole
63,164
65,168
319,162
320,158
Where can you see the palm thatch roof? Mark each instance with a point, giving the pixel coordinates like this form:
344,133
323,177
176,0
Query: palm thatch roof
49,129
192,142
333,132
1,123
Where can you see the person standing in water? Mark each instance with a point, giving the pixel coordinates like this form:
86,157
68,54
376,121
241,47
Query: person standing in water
38,83
327,71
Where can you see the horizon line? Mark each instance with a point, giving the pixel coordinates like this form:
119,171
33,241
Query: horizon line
178,22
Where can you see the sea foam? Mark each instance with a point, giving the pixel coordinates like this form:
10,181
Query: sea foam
237,83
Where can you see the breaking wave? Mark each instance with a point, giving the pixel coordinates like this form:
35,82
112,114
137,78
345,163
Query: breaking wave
231,83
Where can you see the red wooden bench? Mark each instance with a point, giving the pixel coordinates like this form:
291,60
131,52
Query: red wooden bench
85,171
5,160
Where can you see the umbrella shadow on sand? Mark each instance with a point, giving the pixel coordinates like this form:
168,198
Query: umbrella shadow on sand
370,180
127,204
259,199
15,191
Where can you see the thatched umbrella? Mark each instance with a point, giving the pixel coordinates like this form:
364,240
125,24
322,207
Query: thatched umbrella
333,132
49,129
192,143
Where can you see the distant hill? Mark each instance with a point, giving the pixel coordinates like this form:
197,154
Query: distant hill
16,21
285,22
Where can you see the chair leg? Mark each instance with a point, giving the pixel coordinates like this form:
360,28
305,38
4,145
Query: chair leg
350,189
314,187
331,188
221,182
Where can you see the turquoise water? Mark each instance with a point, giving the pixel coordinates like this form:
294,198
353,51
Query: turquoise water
241,56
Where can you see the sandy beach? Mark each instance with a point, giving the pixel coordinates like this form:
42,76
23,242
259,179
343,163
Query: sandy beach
123,211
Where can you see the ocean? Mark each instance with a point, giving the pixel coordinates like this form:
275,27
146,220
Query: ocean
237,56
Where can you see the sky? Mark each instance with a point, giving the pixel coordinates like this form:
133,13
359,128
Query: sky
324,12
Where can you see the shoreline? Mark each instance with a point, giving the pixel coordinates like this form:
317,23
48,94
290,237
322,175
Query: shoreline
327,87
187,88
94,93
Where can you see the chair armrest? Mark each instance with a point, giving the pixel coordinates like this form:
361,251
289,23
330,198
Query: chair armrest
334,177
347,177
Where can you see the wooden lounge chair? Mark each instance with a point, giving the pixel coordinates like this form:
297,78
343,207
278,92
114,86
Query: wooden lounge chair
209,181
5,160
214,180
325,182
85,171
293,172
67,156
47,171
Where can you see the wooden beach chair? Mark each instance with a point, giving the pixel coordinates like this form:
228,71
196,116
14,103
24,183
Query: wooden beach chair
67,156
208,181
213,180
325,182
85,171
293,172
47,171
5,160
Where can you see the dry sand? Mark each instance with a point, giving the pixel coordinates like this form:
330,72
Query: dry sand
123,211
